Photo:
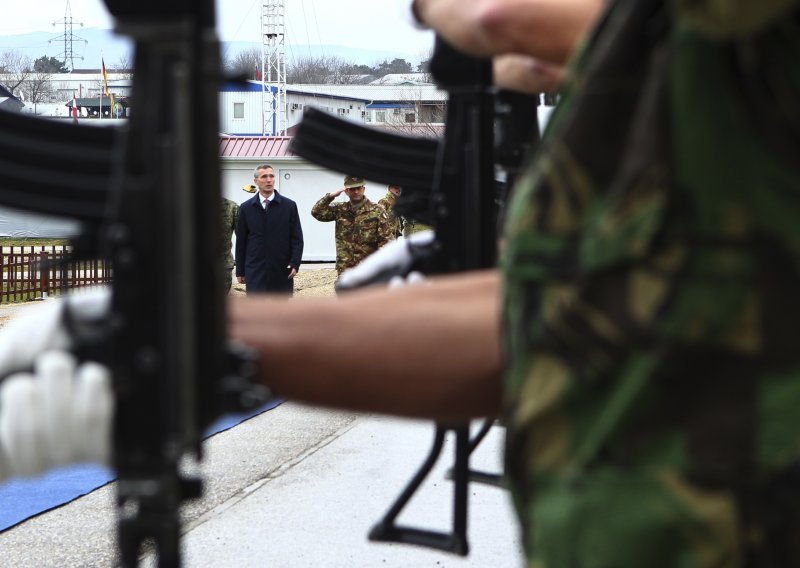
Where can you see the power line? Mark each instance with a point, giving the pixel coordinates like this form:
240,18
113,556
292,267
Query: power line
68,55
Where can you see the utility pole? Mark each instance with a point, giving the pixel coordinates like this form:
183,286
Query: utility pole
273,67
68,55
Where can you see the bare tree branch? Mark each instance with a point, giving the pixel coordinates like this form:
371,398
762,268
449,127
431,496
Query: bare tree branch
15,68
38,88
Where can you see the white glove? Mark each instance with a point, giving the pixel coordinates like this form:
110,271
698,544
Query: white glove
60,413
412,279
393,259
41,328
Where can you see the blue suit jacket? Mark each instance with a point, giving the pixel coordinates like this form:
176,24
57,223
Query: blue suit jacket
267,242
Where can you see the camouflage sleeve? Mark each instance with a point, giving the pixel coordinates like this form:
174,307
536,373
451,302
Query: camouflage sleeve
387,201
323,210
386,231
235,217
728,19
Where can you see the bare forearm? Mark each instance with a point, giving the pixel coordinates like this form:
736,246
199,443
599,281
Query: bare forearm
428,351
545,29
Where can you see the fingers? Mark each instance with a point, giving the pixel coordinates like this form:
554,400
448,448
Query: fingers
93,412
20,424
414,278
54,371
62,414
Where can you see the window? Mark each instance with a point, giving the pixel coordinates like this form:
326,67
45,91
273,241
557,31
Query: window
411,117
380,116
437,114
367,116
238,110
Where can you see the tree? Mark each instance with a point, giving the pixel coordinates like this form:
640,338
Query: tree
397,65
326,70
46,64
38,88
15,69
245,63
124,66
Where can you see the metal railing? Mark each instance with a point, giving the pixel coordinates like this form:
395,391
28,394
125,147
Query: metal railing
36,272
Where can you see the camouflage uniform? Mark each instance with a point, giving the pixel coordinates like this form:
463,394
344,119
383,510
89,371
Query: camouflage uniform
387,202
652,297
360,230
230,216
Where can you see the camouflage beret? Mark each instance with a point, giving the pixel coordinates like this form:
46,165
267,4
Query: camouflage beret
352,181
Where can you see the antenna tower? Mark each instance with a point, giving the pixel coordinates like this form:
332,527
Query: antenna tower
273,67
68,55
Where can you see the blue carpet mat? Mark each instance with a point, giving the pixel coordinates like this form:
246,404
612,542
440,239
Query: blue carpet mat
23,498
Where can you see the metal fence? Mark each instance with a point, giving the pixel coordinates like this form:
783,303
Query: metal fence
33,272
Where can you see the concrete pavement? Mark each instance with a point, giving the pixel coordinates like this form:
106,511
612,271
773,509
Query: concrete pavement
295,487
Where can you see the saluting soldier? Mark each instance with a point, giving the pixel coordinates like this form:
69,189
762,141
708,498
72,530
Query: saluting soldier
362,227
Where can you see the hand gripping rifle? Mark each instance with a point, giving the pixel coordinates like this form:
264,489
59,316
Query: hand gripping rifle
449,184
148,197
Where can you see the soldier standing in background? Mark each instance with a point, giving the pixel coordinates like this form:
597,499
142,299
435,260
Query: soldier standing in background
388,202
230,216
362,227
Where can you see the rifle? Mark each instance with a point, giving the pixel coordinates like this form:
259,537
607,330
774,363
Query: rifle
148,198
450,185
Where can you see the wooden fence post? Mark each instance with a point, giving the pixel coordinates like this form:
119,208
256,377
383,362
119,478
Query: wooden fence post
44,274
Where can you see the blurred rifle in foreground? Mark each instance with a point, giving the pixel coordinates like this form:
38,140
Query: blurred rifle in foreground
148,197
449,184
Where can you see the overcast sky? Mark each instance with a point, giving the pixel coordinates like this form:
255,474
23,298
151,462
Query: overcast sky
381,24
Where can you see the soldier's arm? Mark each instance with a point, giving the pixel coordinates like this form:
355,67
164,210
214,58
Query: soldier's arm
434,350
387,201
385,229
323,209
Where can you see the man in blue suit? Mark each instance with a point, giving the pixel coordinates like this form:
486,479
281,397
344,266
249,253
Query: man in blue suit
269,238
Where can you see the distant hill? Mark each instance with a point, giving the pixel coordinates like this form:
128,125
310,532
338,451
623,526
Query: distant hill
349,54
93,43
89,45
